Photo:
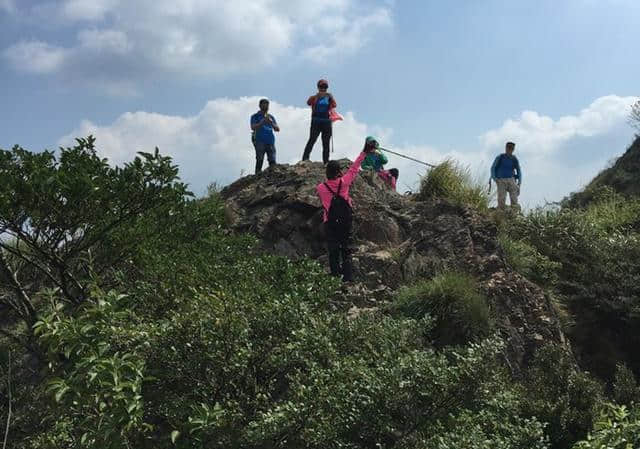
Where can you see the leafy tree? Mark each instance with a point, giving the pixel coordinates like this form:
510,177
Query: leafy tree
617,428
62,214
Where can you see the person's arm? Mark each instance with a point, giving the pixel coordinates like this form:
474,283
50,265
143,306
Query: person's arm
494,175
519,171
332,102
312,100
255,123
382,156
274,124
353,170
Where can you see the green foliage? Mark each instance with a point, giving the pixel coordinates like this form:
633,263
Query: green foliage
617,428
528,261
497,424
557,393
460,311
454,182
69,210
594,252
625,386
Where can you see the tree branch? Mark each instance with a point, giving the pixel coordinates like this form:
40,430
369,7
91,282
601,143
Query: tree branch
28,312
6,431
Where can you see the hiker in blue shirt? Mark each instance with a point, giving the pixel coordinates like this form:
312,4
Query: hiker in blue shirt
507,174
263,125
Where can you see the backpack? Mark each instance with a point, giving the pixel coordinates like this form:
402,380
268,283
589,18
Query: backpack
321,107
339,214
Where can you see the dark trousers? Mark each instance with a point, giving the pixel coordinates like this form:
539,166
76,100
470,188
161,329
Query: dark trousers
339,245
262,149
317,128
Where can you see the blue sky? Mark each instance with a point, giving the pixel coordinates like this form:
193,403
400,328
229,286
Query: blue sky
433,79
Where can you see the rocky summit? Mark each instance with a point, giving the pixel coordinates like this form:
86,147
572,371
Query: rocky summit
398,240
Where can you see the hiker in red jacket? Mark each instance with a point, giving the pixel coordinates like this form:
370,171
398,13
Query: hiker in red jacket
337,214
320,104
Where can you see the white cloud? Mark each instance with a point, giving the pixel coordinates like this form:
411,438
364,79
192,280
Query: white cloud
561,155
214,144
537,135
349,36
203,37
7,5
86,9
113,41
36,56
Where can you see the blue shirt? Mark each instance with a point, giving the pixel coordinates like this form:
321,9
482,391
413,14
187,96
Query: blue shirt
505,166
264,134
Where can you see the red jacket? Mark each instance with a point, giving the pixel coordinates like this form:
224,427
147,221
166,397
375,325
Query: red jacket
326,196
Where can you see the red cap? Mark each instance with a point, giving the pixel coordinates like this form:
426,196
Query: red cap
323,81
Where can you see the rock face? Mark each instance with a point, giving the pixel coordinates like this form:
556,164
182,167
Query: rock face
398,240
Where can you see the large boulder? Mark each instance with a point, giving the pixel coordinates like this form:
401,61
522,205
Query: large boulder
397,240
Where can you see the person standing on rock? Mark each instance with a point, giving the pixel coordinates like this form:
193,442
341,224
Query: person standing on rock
507,174
320,104
263,125
337,214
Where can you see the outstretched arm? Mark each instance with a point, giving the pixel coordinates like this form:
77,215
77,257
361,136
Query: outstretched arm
353,170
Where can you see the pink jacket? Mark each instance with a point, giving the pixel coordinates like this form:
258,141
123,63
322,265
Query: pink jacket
326,196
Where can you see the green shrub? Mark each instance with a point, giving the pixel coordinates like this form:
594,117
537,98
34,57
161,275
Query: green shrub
557,393
595,253
625,386
616,428
528,261
459,310
454,182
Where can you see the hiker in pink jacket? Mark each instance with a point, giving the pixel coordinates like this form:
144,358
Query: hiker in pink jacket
337,214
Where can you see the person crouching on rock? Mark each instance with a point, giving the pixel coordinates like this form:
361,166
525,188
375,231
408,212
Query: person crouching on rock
376,160
337,214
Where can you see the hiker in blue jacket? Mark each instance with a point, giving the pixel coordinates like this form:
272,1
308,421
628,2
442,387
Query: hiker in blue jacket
263,125
507,174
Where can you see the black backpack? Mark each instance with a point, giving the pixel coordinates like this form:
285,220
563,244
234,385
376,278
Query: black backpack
340,214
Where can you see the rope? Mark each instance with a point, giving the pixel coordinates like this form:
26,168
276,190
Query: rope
406,157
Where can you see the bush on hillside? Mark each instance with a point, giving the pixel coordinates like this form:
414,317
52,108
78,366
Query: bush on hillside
459,310
453,181
617,428
559,394
596,252
528,261
625,386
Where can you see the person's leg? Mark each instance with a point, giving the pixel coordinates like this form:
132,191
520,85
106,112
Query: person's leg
260,150
333,245
346,251
502,193
326,140
271,154
313,136
514,192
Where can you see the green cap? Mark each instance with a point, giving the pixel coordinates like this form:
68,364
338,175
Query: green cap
370,138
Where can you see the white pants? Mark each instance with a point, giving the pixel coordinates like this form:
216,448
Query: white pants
508,185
